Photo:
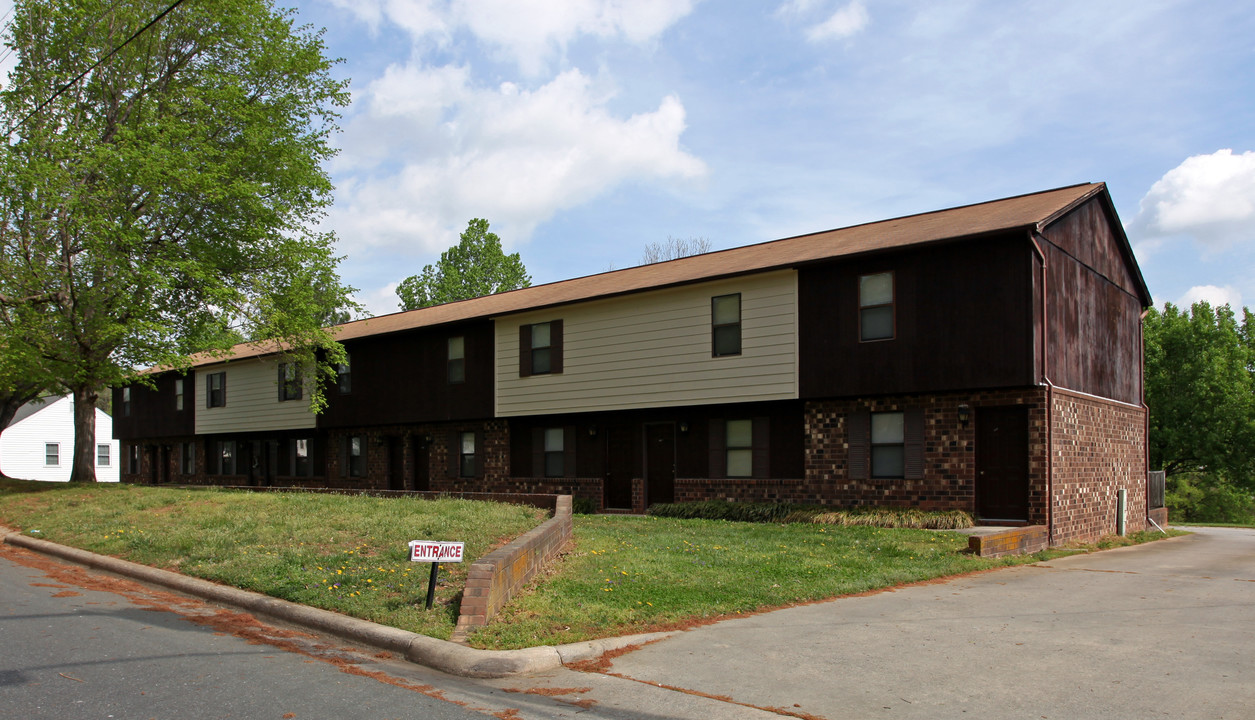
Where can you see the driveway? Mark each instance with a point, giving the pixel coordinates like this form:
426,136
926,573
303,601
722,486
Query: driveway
1165,629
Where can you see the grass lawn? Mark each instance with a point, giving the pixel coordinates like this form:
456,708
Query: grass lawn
343,553
623,574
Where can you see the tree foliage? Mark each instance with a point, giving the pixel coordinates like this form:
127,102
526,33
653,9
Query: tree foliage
1200,388
475,267
674,248
166,201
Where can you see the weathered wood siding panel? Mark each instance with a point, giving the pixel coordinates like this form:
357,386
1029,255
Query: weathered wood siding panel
963,320
1086,235
252,396
153,413
654,350
403,378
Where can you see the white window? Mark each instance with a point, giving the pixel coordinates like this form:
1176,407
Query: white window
457,359
356,466
52,454
466,467
725,325
875,307
554,452
740,448
178,393
888,445
102,456
344,376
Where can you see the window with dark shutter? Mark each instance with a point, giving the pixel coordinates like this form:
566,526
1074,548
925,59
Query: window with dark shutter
540,348
859,433
888,443
913,431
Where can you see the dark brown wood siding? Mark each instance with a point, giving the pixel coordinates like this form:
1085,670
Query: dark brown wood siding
779,431
403,378
1093,329
963,319
1086,235
153,413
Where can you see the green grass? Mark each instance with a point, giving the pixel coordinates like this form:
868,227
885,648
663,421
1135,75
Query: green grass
623,574
348,554
632,574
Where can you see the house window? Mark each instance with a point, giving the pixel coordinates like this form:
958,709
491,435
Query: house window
357,456
457,359
540,348
132,459
178,393
344,376
466,464
289,381
102,456
216,390
555,452
888,445
126,402
189,458
226,457
725,325
302,465
52,454
875,307
740,448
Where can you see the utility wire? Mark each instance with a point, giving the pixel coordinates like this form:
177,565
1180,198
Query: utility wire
95,65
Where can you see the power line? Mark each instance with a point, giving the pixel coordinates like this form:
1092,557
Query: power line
95,65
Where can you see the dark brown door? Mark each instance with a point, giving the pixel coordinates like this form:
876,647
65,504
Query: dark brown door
617,491
420,447
1002,463
396,463
659,463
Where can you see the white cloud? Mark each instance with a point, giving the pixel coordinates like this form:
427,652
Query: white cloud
1215,296
382,300
452,151
528,32
844,23
1208,197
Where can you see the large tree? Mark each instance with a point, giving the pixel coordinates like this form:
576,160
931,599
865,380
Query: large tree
475,267
1200,388
161,187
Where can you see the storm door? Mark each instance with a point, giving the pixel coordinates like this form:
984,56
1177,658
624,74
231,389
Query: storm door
1002,463
659,463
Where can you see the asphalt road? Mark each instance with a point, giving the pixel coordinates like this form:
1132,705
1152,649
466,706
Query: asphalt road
77,644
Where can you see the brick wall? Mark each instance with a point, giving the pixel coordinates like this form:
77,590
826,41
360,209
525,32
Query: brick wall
495,578
1099,447
949,452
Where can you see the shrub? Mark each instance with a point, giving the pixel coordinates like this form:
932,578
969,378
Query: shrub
1207,498
783,512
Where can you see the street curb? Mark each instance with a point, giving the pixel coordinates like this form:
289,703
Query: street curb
430,652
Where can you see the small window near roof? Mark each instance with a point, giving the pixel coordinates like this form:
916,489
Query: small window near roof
344,375
126,402
725,325
457,359
875,307
178,393
289,381
541,357
216,390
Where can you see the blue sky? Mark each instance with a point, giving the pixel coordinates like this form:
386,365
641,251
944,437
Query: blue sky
584,129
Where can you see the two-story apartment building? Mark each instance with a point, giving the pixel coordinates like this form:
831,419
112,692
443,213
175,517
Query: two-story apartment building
986,358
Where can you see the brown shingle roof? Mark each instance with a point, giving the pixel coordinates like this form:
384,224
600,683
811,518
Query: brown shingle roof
1024,211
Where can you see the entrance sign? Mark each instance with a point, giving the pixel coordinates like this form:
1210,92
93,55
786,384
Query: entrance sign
436,552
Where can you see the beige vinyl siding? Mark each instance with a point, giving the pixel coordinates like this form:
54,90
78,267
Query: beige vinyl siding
252,400
654,349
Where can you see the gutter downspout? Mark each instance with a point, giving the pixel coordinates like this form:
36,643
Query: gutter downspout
1050,400
1141,380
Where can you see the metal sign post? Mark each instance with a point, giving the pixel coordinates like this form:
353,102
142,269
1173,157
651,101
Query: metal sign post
435,552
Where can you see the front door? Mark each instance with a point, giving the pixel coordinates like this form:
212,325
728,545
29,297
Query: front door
419,448
619,468
1002,463
659,463
396,463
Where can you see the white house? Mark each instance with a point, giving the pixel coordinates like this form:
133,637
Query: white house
39,443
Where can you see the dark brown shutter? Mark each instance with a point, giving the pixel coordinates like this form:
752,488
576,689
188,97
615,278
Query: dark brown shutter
208,388
284,453
718,448
317,458
568,451
913,433
344,456
281,382
762,447
453,466
859,433
224,388
212,459
479,453
538,452
555,346
525,350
